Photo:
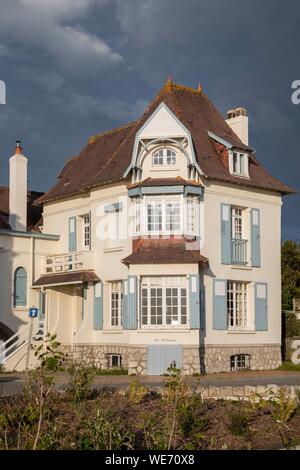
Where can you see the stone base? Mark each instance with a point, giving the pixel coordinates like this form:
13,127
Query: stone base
209,359
262,357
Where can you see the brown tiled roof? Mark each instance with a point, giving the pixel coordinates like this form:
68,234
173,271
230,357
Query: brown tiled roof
108,155
148,182
34,213
165,251
67,278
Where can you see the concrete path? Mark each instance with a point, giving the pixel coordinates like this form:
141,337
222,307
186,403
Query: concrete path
13,384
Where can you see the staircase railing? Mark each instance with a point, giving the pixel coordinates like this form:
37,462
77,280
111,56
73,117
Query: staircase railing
20,339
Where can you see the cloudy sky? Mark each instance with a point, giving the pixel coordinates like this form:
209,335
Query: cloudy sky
74,68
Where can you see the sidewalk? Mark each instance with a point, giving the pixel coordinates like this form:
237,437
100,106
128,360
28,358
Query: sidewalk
12,384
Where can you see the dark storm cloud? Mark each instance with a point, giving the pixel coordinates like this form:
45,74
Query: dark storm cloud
76,67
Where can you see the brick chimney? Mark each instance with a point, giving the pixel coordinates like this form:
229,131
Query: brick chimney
237,119
18,190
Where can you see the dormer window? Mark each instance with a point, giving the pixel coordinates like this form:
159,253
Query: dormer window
164,157
239,164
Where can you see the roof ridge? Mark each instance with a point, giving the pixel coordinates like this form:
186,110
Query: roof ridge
93,138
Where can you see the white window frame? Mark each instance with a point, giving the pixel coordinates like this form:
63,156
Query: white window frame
237,223
86,225
237,305
164,157
164,283
164,202
116,311
239,157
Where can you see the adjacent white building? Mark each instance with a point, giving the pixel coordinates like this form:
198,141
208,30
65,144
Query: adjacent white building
160,242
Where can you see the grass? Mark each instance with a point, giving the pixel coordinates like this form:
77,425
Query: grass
111,372
288,365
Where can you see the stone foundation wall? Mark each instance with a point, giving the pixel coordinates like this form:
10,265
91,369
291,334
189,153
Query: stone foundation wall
262,357
211,359
96,355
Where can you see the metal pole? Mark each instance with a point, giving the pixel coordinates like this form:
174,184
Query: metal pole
28,347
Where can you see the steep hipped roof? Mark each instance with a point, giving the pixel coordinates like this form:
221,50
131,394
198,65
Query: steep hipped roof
108,155
34,213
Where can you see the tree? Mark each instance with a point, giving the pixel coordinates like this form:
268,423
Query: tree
290,269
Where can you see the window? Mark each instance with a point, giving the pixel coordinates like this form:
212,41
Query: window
114,361
20,288
237,304
239,362
191,204
163,301
172,216
116,303
236,220
239,164
163,216
164,157
86,233
137,216
154,217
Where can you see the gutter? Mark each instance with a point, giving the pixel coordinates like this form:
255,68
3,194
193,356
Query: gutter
40,236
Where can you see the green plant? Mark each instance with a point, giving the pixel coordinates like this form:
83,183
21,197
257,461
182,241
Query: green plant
137,392
238,420
81,381
284,406
48,353
103,434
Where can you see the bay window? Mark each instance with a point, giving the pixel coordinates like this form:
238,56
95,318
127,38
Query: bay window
163,301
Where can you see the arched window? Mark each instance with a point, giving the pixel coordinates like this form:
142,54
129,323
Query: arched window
20,288
164,157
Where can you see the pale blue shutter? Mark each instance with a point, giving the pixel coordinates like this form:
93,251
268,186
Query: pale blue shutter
225,233
220,304
130,316
42,309
125,301
98,306
255,238
261,306
202,307
20,288
72,234
194,295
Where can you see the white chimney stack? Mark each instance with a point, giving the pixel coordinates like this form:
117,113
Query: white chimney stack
238,121
18,190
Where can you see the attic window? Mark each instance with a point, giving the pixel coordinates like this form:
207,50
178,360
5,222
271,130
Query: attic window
164,157
239,164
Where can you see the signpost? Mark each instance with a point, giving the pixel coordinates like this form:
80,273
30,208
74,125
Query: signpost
33,313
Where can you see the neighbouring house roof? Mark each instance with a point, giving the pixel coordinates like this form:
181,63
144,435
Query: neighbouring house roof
165,251
34,212
107,156
77,277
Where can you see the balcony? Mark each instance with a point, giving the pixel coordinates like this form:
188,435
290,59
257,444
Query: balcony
239,252
67,262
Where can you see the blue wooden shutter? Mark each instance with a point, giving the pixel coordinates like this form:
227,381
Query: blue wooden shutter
255,238
130,316
125,301
194,296
20,288
220,304
98,306
42,306
225,233
261,306
72,234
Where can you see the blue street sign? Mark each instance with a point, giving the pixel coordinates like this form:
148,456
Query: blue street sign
33,312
